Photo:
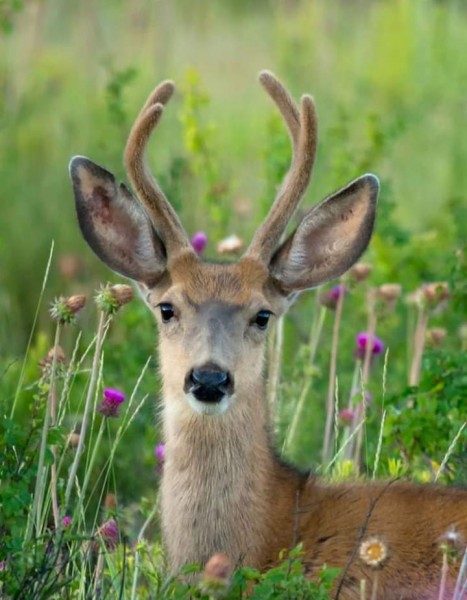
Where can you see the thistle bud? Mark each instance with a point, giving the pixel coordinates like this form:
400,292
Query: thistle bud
360,272
216,575
72,440
330,298
112,297
389,292
435,293
63,310
110,502
230,245
435,336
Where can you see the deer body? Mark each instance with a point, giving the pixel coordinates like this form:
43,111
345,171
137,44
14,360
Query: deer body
224,489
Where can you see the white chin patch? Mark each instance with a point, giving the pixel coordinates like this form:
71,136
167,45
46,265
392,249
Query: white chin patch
209,408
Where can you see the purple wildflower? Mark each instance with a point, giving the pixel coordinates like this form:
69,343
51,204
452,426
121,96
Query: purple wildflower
160,452
346,416
108,533
110,404
199,241
331,297
362,340
66,521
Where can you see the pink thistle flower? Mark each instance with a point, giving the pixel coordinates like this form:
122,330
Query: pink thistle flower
331,297
362,340
160,452
66,521
108,533
346,416
110,404
199,242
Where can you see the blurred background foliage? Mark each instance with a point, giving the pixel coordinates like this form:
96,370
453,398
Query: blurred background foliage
390,80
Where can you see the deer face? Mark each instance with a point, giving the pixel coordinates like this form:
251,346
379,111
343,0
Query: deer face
213,317
213,320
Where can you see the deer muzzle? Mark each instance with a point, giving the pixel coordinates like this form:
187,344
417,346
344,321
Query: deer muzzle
209,384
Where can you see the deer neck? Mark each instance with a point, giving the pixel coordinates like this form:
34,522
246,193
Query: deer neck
215,488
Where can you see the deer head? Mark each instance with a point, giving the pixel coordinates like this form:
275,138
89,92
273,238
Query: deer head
213,317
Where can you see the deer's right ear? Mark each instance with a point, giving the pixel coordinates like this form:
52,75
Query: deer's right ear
114,224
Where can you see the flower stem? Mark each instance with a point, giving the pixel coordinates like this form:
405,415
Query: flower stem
41,478
315,336
101,331
419,343
332,380
361,409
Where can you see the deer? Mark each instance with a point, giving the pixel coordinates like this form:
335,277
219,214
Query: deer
225,489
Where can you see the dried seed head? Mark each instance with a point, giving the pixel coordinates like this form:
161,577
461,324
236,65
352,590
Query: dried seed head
72,440
63,310
110,502
389,292
230,245
360,271
435,336
373,552
452,542
56,352
435,293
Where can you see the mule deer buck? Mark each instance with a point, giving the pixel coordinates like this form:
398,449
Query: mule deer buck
224,489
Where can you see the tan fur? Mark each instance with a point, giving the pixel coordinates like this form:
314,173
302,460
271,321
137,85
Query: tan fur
224,489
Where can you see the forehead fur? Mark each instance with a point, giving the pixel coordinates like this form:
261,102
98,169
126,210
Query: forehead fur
226,282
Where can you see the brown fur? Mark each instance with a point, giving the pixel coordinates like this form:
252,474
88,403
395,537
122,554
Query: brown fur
224,489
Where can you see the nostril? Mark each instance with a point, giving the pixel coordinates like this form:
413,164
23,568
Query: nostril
209,378
209,384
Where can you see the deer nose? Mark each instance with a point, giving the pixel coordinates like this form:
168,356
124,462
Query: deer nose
209,383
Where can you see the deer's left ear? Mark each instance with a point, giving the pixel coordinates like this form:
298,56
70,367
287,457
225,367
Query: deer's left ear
330,238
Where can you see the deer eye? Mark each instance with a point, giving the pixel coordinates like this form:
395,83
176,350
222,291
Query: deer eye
167,311
262,319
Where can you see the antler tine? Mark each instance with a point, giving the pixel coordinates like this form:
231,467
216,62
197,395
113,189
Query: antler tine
161,213
302,126
284,102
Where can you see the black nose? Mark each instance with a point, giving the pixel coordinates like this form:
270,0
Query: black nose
209,383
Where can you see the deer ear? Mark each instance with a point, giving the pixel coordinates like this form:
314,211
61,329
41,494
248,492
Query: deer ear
114,224
330,238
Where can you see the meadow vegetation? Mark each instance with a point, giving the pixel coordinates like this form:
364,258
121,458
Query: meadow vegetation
80,442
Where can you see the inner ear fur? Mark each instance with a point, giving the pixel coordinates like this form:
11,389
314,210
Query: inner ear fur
330,238
114,224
